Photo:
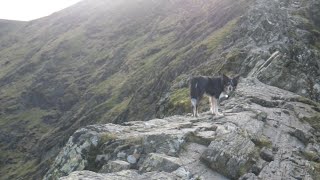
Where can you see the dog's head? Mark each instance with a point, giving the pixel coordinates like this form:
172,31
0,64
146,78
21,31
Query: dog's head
229,84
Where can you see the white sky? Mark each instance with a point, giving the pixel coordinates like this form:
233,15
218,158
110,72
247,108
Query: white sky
26,10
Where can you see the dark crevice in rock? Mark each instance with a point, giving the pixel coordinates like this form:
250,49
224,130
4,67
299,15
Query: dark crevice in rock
266,154
302,136
264,103
193,138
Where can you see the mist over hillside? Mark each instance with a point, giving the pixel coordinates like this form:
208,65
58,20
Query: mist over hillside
103,61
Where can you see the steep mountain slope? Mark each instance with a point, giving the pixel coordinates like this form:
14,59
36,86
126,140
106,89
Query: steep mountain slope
90,63
104,61
9,27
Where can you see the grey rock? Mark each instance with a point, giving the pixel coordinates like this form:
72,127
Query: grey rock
248,176
280,168
267,155
74,156
258,166
84,175
102,157
131,159
164,143
182,173
160,162
114,166
121,175
191,162
317,87
121,155
302,136
271,26
262,116
230,154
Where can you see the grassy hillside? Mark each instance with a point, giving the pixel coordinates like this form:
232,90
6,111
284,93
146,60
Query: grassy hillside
97,62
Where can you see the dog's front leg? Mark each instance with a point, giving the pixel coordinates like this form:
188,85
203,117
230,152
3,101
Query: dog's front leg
217,109
215,106
212,105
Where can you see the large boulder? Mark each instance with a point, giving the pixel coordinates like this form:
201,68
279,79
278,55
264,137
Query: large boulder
160,162
230,154
115,166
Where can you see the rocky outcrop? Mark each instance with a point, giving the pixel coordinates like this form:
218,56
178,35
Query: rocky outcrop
265,133
287,27
230,154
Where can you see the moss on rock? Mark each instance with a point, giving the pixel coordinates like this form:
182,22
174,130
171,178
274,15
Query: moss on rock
180,100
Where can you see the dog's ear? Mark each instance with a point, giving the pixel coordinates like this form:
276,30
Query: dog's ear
235,80
224,77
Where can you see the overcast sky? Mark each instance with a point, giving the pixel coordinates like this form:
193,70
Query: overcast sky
26,10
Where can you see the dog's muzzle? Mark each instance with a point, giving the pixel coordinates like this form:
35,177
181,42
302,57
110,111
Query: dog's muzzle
223,97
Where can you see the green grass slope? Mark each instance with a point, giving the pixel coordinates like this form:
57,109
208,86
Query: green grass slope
98,62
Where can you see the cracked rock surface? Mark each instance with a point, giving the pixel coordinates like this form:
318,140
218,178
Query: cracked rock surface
265,133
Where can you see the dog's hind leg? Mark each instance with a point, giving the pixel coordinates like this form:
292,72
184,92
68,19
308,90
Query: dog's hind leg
197,111
194,103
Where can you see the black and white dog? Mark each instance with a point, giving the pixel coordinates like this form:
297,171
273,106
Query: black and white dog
214,87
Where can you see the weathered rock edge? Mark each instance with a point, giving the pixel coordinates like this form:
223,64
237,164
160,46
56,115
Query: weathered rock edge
264,134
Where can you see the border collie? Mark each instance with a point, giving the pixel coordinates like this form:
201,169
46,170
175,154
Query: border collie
214,87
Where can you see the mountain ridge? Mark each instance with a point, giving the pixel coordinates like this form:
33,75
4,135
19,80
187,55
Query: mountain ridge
264,134
88,65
